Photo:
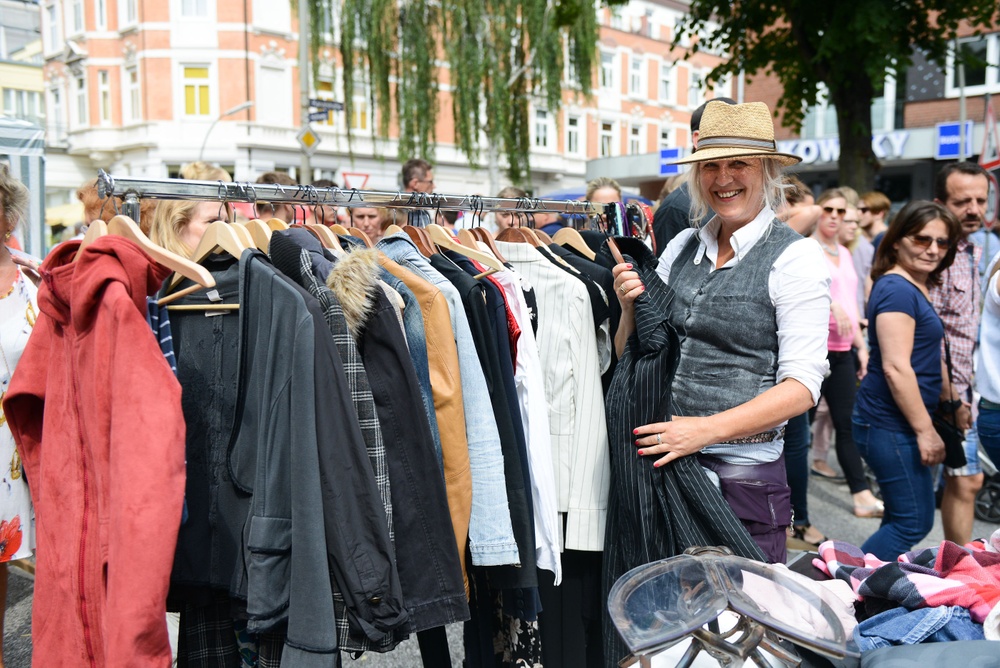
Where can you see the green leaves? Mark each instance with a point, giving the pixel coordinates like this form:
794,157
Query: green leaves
495,57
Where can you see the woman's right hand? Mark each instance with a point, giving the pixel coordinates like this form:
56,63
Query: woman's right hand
628,285
931,447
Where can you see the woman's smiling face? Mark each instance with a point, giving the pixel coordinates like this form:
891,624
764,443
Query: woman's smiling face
733,188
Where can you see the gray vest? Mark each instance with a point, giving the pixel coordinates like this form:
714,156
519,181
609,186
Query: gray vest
727,326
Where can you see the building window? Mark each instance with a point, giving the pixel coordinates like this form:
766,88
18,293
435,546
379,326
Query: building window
324,91
194,8
541,128
57,127
361,109
664,138
617,19
981,72
101,13
52,26
274,104
197,91
272,15
132,93
129,12
636,79
104,95
695,94
666,82
607,71
635,140
76,16
607,138
80,92
573,135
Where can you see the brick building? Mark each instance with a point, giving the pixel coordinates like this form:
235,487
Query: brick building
137,87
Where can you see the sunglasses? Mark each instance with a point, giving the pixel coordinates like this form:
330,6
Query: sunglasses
831,210
863,209
923,242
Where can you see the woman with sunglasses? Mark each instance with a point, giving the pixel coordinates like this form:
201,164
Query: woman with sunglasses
840,386
750,305
907,376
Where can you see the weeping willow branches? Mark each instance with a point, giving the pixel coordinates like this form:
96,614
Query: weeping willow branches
493,56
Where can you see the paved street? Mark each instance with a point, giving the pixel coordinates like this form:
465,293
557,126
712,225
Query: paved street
829,509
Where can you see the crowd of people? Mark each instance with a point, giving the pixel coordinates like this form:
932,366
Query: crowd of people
857,327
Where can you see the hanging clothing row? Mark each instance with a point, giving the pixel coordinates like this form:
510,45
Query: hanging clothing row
357,444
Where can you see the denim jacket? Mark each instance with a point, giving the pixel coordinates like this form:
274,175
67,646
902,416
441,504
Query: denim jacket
491,535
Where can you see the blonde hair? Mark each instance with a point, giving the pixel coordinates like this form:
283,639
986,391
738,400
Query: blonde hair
95,208
202,171
602,182
14,196
168,221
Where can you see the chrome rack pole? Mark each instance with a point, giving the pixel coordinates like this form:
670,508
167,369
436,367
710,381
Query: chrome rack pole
131,189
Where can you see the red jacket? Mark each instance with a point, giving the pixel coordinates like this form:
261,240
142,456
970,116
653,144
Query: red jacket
96,413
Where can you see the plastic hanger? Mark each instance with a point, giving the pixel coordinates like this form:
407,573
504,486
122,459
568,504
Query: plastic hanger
95,230
568,236
124,226
260,233
218,236
442,239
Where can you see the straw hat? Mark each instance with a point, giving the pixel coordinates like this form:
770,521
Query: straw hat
737,131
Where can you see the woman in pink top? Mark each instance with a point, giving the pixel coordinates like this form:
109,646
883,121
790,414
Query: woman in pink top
840,386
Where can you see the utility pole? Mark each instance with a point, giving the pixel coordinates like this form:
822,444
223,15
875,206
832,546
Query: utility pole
305,178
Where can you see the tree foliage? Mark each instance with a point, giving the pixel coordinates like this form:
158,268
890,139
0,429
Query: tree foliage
849,47
494,55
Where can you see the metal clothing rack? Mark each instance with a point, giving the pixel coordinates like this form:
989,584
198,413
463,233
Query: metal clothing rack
131,190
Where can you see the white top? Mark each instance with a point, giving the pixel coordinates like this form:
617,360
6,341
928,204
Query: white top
535,418
799,287
988,352
18,311
567,349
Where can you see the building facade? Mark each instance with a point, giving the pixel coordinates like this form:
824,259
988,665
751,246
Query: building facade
140,87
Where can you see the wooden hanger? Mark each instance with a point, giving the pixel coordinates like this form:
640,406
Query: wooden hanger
260,233
484,236
124,226
419,237
542,236
442,239
392,229
95,230
358,233
244,234
327,238
518,236
277,224
337,228
467,238
218,236
568,236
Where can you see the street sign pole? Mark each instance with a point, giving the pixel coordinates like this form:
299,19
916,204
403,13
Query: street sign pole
305,178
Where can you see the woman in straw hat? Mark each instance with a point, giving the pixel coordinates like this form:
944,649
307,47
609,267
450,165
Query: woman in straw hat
751,301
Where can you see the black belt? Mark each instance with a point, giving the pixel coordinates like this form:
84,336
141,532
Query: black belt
989,405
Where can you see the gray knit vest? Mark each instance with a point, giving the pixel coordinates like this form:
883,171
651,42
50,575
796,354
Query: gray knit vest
727,326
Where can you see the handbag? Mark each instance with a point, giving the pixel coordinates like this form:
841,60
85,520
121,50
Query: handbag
945,425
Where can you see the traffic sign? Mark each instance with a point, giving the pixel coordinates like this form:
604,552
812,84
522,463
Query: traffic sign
667,156
308,139
948,143
329,105
989,157
318,116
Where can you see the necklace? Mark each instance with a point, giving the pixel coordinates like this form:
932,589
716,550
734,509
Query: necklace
833,253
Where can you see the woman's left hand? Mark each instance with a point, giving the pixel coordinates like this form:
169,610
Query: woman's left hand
29,265
862,363
678,438
963,416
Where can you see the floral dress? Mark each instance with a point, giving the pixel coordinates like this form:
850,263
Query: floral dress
18,309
